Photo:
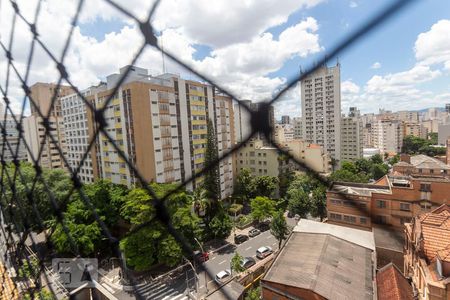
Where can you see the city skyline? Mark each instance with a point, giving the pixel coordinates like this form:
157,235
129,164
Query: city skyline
419,76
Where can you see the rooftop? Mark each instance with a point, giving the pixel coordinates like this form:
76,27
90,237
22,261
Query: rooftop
320,257
435,230
426,162
361,189
392,285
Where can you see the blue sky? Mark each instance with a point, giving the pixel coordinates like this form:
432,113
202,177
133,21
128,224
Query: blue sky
252,47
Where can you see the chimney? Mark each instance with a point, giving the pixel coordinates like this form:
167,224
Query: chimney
447,156
406,158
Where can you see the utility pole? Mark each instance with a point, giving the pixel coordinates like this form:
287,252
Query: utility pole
206,275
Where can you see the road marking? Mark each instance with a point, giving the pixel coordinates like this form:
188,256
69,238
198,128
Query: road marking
214,258
222,262
274,244
248,248
268,237
202,286
210,281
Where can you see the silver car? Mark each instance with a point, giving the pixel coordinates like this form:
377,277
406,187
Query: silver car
222,276
263,252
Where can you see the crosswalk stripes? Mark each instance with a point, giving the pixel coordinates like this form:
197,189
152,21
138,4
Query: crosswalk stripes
159,291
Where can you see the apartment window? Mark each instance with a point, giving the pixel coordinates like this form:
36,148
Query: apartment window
335,216
381,219
425,206
405,206
381,204
404,220
349,219
363,220
425,187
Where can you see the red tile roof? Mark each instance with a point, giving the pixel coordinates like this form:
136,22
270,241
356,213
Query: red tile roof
392,285
435,231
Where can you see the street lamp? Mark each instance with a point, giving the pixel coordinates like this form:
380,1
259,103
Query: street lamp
206,277
196,283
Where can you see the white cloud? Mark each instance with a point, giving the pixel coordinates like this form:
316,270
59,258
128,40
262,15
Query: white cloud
220,23
376,65
349,87
433,47
353,4
241,63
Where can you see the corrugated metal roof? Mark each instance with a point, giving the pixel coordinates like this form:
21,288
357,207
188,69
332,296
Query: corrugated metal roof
329,266
359,237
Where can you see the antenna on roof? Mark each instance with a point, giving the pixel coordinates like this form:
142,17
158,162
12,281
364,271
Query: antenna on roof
162,54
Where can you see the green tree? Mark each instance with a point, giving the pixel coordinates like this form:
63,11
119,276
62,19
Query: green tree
140,247
253,294
349,166
188,224
244,184
236,263
211,182
138,207
393,160
169,252
306,182
200,201
298,202
379,170
221,225
376,159
347,176
262,208
83,230
319,202
285,178
412,144
363,165
433,138
278,227
43,294
265,186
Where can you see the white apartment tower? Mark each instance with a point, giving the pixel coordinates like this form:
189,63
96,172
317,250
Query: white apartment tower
352,141
321,109
387,135
75,117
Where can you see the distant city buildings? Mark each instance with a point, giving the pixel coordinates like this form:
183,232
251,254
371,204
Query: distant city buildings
12,145
351,136
285,120
47,151
321,109
298,128
387,135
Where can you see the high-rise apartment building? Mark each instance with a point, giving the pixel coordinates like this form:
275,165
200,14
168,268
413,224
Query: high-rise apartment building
321,109
352,142
387,135
50,156
12,145
285,120
160,124
415,129
75,117
408,116
298,128
242,121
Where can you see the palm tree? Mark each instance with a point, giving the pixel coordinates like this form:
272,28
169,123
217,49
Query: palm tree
200,201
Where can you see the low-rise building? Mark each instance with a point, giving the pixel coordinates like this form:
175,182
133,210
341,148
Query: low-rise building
323,261
392,285
415,129
421,165
427,253
391,201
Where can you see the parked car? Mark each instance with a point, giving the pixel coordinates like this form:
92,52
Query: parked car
263,252
240,238
254,232
201,256
222,276
263,227
247,262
